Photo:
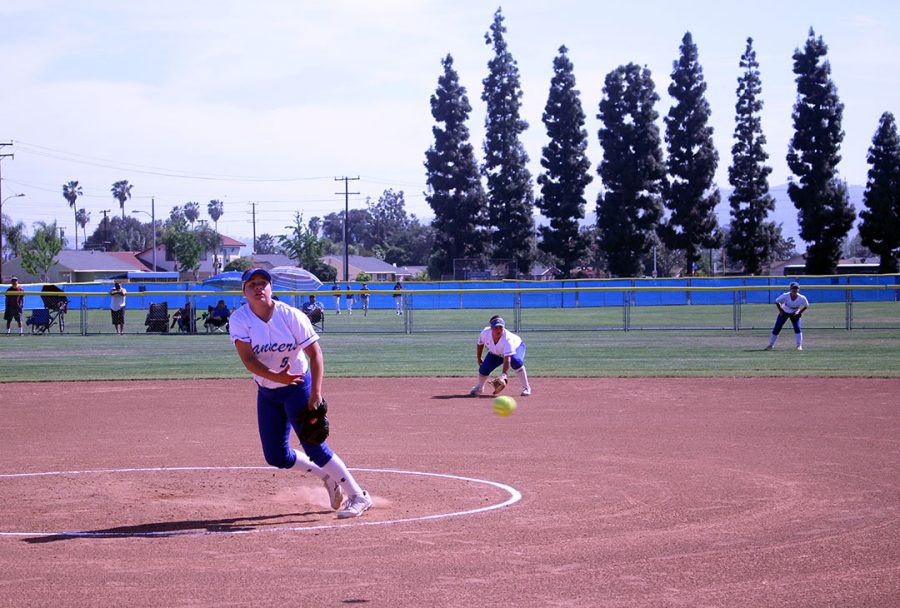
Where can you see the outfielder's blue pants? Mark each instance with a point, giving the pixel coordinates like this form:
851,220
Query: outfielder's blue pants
781,320
275,412
492,361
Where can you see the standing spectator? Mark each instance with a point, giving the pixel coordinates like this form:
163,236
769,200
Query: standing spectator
279,347
336,292
15,301
351,299
117,307
791,306
398,297
364,299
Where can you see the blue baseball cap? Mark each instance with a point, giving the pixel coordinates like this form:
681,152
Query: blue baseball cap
249,274
794,284
498,322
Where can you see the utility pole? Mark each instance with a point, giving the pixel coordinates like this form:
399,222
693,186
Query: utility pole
254,228
105,229
346,194
2,156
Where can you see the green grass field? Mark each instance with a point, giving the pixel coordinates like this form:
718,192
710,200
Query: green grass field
669,353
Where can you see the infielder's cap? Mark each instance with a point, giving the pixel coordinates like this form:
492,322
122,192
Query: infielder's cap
794,284
249,274
13,279
498,322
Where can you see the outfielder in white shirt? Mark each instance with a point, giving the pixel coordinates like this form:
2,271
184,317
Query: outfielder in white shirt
279,346
791,306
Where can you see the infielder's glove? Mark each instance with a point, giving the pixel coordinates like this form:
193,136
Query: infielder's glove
313,424
499,383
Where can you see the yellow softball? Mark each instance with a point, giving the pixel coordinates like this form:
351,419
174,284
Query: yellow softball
504,406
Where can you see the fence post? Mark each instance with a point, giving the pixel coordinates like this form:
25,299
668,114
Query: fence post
626,310
848,298
736,309
84,310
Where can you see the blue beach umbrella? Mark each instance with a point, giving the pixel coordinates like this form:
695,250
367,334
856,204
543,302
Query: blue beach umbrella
227,281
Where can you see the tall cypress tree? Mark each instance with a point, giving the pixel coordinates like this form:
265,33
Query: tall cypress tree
567,165
691,196
629,207
509,190
880,227
825,214
454,185
752,239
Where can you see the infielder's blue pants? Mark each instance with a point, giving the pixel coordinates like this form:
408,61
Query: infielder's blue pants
781,320
275,412
492,361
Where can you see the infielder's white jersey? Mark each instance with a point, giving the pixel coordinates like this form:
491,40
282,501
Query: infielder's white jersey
276,343
791,306
505,347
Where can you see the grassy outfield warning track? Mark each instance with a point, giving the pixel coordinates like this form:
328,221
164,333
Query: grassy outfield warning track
864,353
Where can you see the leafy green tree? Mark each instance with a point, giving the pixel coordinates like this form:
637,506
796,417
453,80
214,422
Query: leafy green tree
357,227
71,191
40,251
239,264
82,217
216,209
191,212
691,195
455,192
509,190
183,244
629,207
121,191
120,234
210,241
266,244
751,239
566,169
14,235
303,246
387,218
880,227
820,196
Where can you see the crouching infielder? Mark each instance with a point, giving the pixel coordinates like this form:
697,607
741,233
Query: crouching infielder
791,306
504,347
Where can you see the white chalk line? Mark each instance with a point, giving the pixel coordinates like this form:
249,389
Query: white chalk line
514,497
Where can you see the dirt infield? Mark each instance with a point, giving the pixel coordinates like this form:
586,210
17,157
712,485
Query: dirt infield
634,492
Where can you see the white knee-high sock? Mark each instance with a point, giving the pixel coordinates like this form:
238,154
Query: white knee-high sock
481,381
799,338
339,472
308,466
523,376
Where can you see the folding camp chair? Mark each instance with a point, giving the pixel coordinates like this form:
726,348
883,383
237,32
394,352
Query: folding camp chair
157,320
39,320
57,304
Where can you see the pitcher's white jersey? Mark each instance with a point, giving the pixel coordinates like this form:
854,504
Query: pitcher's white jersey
278,342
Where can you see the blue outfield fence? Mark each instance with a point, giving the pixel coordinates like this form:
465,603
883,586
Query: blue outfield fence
841,301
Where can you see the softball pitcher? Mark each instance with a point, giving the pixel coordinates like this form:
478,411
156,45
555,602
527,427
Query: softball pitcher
279,346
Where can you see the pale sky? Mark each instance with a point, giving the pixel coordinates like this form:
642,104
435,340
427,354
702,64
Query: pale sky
269,101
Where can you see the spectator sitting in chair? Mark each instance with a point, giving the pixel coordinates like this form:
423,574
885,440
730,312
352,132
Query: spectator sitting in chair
217,316
312,309
183,316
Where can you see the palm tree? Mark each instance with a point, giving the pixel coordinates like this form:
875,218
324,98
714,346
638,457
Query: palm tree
71,192
215,209
192,212
121,191
82,217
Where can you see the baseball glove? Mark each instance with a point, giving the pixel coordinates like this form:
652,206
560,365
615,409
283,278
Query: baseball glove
499,383
313,424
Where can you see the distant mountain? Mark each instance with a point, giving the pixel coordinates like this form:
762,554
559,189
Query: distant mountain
785,213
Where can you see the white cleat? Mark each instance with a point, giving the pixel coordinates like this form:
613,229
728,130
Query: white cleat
475,392
769,347
355,506
799,347
335,495
526,392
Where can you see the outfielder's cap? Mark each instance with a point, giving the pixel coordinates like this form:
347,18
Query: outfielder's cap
250,273
13,279
498,322
794,284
